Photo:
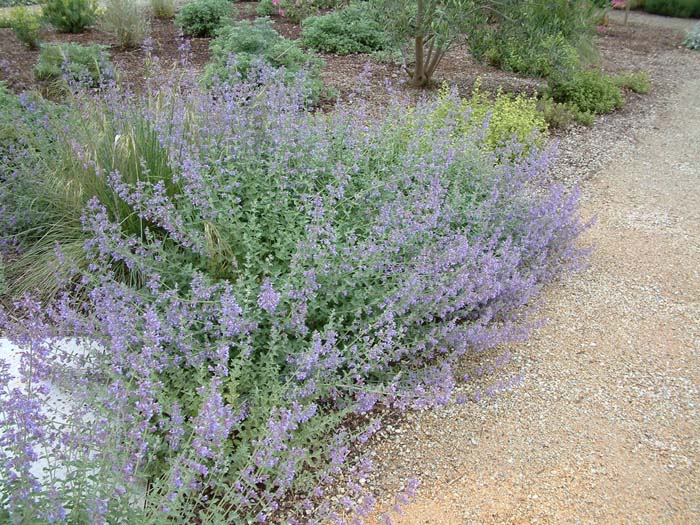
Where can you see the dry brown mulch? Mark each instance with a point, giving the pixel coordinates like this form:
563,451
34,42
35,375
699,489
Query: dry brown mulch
17,61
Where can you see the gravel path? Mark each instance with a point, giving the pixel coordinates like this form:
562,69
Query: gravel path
605,426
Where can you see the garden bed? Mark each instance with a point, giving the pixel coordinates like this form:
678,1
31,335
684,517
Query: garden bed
622,49
361,268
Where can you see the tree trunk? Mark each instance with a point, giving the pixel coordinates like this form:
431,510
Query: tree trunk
419,73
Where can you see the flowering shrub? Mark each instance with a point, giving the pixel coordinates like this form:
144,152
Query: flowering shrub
253,280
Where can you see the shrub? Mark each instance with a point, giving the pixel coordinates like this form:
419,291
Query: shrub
239,46
508,116
126,21
350,30
203,17
692,39
589,91
679,8
539,37
638,82
556,114
74,62
252,276
545,57
26,26
70,16
164,9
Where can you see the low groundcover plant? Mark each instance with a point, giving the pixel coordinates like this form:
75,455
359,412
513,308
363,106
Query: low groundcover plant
253,281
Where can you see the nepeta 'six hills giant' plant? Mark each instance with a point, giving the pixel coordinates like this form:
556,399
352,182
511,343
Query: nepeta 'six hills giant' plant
425,30
248,276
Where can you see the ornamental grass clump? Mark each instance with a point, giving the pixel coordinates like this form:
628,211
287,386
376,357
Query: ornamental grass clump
253,281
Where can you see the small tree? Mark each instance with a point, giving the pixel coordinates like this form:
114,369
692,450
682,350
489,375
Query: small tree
425,30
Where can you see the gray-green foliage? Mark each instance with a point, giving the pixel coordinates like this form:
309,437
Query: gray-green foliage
238,46
88,64
202,18
352,29
126,21
692,39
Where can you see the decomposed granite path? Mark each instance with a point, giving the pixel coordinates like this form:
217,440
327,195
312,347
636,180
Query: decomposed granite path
606,425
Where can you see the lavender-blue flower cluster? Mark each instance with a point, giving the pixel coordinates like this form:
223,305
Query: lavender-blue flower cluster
255,277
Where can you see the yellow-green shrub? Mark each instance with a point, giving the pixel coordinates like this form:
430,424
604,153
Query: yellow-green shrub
26,25
508,115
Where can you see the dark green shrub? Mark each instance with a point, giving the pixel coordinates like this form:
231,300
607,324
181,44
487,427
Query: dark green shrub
203,17
679,8
26,26
589,91
638,82
350,30
70,16
87,64
255,41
